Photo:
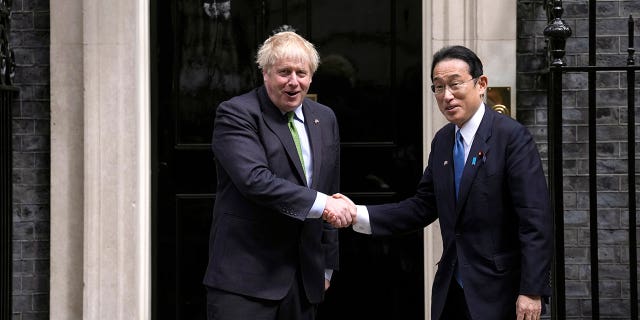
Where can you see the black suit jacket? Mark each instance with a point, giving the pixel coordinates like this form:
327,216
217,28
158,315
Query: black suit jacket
260,236
499,230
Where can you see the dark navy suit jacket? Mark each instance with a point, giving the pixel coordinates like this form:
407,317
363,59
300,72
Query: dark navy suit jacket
260,236
499,230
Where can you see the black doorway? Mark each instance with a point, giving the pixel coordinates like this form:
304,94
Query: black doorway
203,53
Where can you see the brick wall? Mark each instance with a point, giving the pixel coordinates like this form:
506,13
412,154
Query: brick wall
31,113
611,31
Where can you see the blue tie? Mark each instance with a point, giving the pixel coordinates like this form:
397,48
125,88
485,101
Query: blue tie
458,160
458,166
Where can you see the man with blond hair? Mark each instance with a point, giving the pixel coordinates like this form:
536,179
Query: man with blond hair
277,154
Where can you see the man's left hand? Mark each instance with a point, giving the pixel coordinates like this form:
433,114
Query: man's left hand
528,307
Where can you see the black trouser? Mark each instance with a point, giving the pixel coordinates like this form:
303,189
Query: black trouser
223,305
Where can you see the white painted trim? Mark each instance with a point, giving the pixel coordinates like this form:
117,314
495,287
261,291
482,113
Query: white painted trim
117,203
67,148
144,163
100,160
429,255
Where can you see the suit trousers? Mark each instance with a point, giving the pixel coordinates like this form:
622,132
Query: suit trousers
223,305
455,307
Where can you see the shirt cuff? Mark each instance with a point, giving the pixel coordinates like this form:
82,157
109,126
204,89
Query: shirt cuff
362,224
318,206
328,273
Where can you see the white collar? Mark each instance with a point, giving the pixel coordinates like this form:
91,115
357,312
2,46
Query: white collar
298,112
469,129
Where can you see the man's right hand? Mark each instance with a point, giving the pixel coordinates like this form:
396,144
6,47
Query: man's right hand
340,212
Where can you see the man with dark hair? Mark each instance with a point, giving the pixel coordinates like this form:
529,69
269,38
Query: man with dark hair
485,183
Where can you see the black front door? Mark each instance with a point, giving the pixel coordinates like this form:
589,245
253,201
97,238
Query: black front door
370,75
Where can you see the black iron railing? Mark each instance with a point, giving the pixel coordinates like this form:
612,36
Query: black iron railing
557,32
5,212
7,94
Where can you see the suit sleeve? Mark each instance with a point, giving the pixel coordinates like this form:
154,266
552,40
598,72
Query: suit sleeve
240,152
528,188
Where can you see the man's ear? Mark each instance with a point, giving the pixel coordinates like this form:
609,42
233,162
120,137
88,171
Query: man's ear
483,84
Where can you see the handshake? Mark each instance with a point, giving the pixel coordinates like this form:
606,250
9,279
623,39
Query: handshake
339,211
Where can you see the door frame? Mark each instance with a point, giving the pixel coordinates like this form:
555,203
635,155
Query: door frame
102,67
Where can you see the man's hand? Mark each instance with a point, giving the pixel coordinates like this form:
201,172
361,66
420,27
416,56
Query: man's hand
342,196
339,212
528,307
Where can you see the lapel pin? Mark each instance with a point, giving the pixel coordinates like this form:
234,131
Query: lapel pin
473,161
482,156
316,121
445,163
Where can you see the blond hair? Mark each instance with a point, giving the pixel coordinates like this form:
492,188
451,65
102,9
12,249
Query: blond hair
287,45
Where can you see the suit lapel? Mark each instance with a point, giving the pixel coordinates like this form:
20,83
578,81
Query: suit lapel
475,159
275,120
445,169
315,140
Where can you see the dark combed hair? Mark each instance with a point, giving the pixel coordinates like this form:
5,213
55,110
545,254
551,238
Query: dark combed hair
460,53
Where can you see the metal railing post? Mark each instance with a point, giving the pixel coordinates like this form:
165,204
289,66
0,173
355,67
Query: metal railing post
631,155
557,32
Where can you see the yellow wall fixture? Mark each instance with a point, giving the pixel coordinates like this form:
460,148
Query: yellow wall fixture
499,99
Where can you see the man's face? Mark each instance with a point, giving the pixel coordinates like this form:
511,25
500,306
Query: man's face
458,94
287,83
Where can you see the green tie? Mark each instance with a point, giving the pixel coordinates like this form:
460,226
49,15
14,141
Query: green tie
296,138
